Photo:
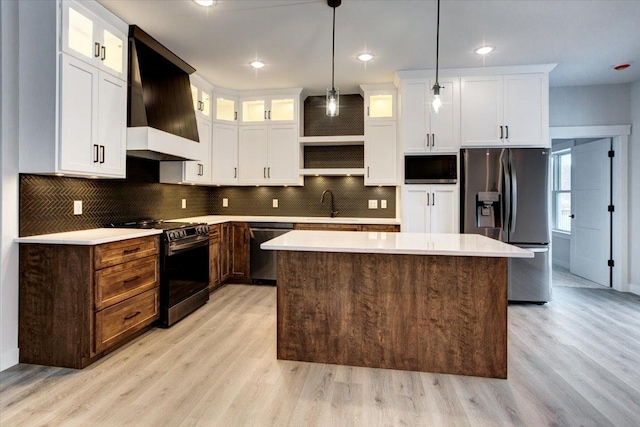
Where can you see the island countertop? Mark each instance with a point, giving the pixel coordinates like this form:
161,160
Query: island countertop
395,243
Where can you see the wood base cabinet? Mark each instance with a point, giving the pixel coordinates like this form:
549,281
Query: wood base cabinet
78,303
240,271
383,228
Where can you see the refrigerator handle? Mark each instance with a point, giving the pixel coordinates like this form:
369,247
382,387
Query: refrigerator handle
514,192
507,191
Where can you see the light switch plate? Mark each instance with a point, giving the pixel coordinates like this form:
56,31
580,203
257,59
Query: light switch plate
77,207
383,204
225,202
275,203
184,203
373,204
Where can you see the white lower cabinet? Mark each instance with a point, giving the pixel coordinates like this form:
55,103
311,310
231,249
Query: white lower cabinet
380,153
191,172
430,209
268,155
224,154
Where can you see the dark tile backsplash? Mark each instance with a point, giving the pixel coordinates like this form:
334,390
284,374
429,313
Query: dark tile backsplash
46,202
351,199
333,156
350,121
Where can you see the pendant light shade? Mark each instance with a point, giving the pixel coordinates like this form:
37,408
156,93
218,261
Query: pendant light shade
437,102
333,94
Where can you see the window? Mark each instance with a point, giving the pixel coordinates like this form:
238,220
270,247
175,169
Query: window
561,166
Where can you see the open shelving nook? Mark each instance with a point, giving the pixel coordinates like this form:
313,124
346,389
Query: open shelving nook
334,155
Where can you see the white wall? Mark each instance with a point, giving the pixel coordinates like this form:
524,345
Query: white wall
634,190
590,105
9,184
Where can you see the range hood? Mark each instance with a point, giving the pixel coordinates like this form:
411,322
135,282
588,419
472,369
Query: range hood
161,120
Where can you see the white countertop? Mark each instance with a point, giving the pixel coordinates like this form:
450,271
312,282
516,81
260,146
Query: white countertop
395,243
95,236
219,219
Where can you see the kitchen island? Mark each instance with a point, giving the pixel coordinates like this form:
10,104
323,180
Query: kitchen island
412,301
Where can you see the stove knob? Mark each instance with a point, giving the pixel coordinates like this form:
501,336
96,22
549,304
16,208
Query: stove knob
170,235
183,233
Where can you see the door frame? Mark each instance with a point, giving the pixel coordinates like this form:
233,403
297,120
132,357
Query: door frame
620,185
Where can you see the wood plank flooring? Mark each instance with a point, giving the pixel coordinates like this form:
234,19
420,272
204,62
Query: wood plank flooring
573,362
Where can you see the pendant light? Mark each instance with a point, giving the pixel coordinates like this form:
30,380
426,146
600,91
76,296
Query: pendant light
437,103
333,94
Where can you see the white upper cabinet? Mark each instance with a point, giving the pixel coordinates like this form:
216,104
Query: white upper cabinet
225,108
201,96
224,154
424,130
269,109
379,104
430,209
380,153
92,39
73,120
510,110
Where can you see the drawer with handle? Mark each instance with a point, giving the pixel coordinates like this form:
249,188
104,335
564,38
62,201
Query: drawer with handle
125,318
122,281
126,250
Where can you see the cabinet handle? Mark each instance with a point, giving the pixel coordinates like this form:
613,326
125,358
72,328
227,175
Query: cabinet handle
433,139
269,172
269,114
507,136
235,115
501,133
133,279
265,114
95,153
235,172
131,316
96,53
264,172
367,171
433,199
367,111
428,203
104,53
131,251
428,143
102,154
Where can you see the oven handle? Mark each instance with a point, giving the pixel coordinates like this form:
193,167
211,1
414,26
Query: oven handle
176,249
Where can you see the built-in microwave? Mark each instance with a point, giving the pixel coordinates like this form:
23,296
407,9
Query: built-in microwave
431,169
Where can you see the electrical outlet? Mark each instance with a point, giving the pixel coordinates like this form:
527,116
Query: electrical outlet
77,207
184,203
373,204
383,204
225,202
275,203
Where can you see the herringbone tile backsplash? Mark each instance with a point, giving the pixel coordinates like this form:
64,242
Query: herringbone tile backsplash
46,202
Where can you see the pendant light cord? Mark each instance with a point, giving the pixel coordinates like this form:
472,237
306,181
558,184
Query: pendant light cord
333,50
437,41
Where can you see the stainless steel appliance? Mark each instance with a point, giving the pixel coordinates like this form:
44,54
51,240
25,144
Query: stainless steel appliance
504,195
184,267
263,263
431,169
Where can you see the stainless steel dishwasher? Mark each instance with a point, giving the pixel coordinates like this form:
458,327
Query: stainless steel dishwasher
263,263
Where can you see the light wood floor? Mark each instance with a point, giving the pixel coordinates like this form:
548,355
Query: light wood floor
575,361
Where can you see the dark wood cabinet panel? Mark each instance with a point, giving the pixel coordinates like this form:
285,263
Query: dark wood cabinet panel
225,252
388,228
215,278
381,228
79,302
240,252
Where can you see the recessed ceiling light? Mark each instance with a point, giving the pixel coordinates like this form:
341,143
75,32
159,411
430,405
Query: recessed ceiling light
206,3
483,50
364,57
257,64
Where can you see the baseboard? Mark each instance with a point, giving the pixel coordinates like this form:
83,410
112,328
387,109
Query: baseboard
9,358
634,289
562,264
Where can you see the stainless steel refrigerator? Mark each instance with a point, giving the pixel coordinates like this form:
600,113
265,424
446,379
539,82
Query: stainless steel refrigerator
504,195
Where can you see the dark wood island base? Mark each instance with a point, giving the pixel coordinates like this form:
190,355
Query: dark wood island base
430,313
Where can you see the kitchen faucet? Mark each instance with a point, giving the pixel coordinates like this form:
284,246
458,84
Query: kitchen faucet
334,212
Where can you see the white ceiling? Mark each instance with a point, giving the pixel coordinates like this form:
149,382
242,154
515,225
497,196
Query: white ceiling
586,38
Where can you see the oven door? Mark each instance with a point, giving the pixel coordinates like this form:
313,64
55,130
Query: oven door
185,273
